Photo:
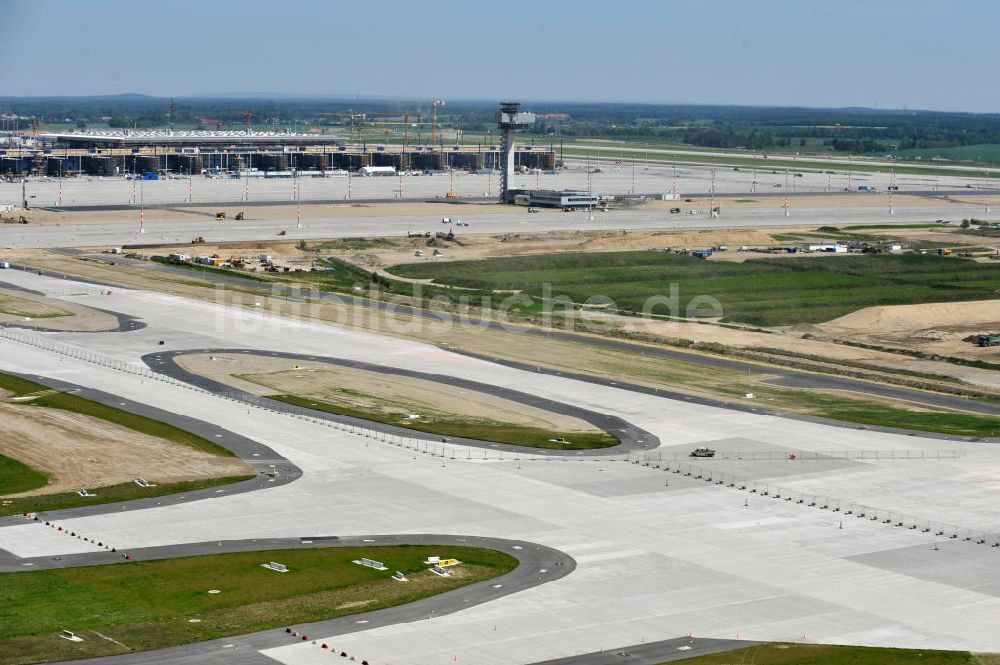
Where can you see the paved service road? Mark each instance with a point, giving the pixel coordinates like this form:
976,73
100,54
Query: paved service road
631,437
538,565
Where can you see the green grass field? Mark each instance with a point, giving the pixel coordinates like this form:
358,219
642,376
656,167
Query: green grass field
17,477
470,428
149,604
981,152
780,291
826,654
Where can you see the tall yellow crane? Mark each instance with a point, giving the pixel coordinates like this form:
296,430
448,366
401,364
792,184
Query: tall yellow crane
435,103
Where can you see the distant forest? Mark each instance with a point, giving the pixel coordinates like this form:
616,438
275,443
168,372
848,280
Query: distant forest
848,130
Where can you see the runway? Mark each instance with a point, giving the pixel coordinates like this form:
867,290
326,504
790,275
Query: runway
518,221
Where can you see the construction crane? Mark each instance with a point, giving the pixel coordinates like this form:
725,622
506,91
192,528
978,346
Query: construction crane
357,120
435,103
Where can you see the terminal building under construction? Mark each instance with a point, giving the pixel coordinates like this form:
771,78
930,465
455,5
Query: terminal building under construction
195,152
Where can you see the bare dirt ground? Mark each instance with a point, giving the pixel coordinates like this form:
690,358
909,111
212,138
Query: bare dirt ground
80,451
42,312
483,246
932,328
700,332
372,391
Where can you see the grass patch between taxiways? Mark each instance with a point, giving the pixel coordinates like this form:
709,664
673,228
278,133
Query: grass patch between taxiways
147,605
828,654
68,402
517,435
16,477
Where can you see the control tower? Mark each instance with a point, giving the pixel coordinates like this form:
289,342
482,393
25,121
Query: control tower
510,118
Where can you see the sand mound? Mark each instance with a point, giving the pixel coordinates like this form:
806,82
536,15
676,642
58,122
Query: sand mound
904,318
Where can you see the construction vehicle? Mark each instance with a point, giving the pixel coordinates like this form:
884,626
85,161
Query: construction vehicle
702,452
944,251
988,340
200,240
239,216
220,216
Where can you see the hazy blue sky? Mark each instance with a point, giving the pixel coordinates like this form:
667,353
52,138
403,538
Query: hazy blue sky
893,53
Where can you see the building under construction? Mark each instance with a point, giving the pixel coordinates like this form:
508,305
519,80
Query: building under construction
195,152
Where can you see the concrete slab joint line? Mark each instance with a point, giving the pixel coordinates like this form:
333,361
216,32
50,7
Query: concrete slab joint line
824,502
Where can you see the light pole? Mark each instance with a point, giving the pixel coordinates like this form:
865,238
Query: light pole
673,185
987,190
785,205
298,202
711,212
142,206
892,178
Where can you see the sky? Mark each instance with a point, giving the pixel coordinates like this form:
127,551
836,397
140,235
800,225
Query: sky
917,54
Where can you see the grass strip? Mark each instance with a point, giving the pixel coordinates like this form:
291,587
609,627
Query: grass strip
828,654
17,477
485,431
148,604
107,494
